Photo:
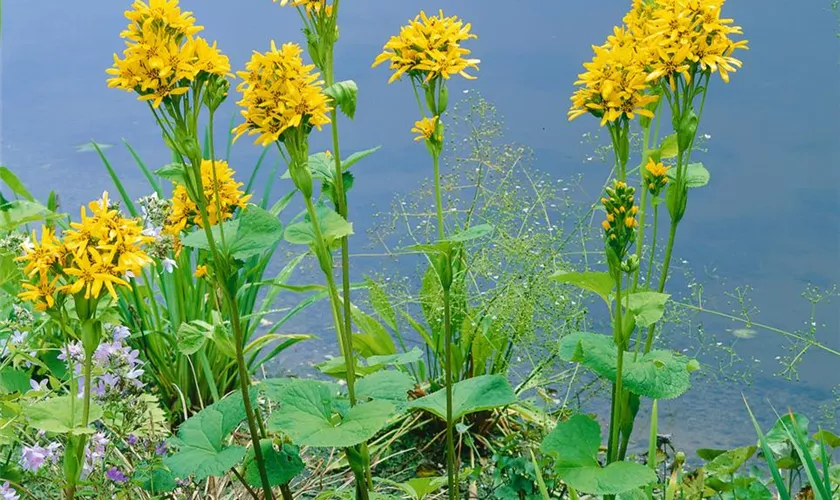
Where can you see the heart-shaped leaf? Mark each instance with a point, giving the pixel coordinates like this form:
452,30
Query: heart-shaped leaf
647,307
281,465
202,440
469,396
574,445
55,415
259,231
696,175
307,414
598,283
658,374
333,227
388,385
730,461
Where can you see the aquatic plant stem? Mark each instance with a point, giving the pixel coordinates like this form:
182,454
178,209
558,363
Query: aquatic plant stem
653,243
244,385
654,431
618,337
640,234
438,197
451,461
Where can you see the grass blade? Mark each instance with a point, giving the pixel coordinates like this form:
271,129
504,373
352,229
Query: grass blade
146,172
540,480
798,442
114,177
784,494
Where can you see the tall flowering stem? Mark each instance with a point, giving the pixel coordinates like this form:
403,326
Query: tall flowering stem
92,259
179,74
429,52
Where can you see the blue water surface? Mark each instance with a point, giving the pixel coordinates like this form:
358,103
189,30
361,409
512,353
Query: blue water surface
769,217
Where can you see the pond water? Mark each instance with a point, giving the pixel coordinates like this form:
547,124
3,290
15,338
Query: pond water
768,218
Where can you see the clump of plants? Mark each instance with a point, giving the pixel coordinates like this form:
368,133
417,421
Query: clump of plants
131,338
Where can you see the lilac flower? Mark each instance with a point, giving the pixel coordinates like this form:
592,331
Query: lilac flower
7,493
18,337
121,333
168,265
160,449
52,451
132,440
116,475
39,386
32,458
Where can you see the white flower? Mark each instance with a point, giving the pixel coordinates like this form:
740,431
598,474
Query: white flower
168,265
38,386
18,337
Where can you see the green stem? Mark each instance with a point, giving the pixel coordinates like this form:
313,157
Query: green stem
438,198
618,335
662,278
654,416
640,234
653,243
344,335
244,386
451,461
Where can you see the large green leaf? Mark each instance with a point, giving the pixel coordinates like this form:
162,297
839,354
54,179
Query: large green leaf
781,441
307,414
389,385
259,231
598,283
658,374
13,380
155,479
730,461
281,465
202,440
469,396
647,307
574,445
374,339
333,227
403,358
55,415
252,233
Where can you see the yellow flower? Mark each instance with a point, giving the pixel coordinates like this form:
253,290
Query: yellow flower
200,271
429,47
655,176
162,55
279,93
41,293
613,85
425,128
185,211
693,30
92,271
40,257
312,7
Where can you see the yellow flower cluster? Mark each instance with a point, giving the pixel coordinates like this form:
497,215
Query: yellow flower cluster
659,39
279,92
614,83
429,47
655,175
162,55
95,254
185,212
690,35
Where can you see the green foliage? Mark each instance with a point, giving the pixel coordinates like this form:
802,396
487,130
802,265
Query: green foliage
658,374
646,307
344,94
574,444
203,440
61,415
597,282
333,227
469,396
309,415
282,464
